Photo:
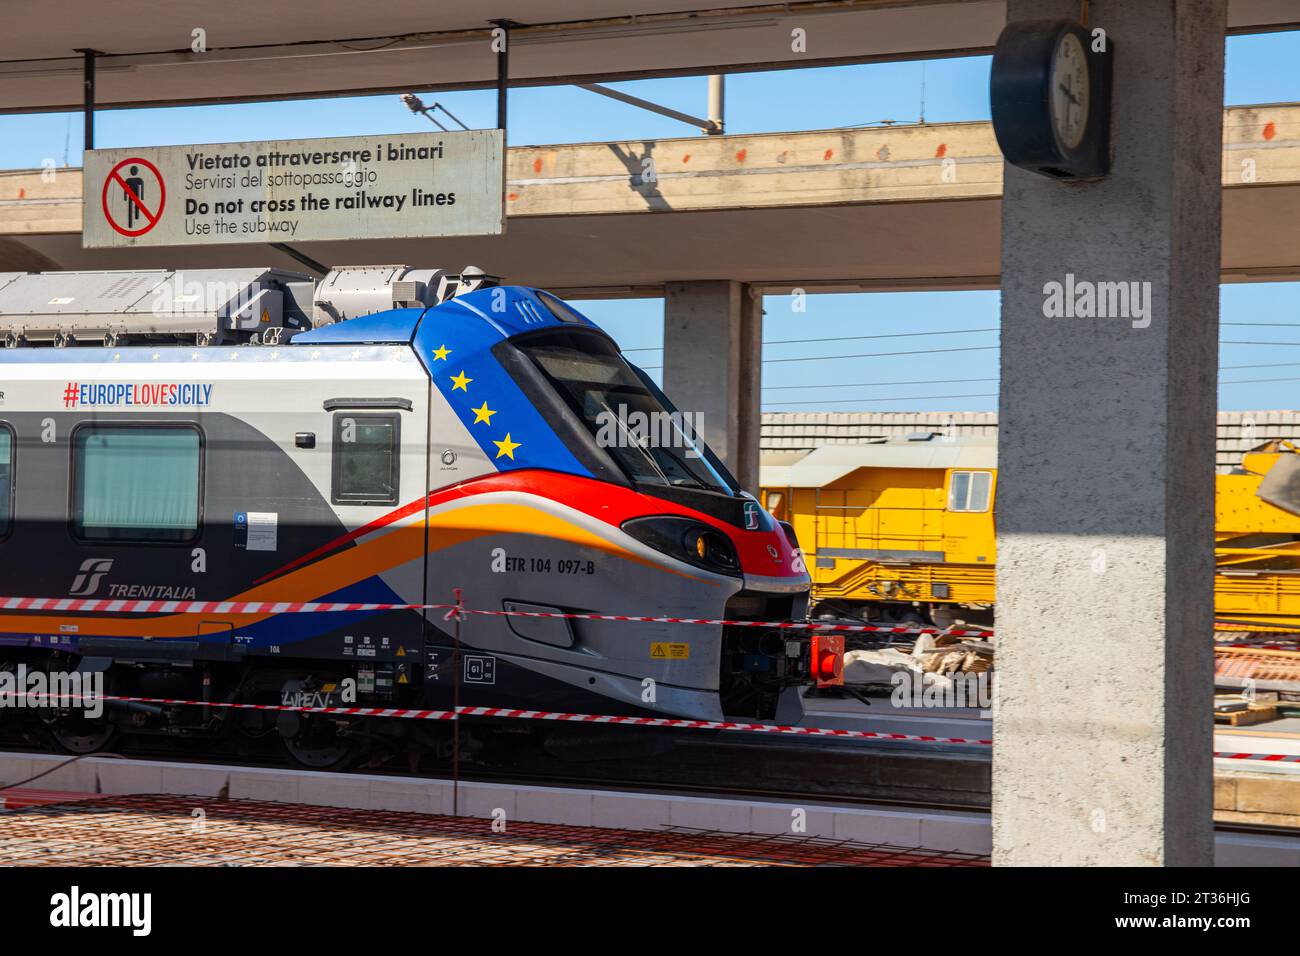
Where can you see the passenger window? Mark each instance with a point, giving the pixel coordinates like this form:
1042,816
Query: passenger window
366,459
136,483
969,491
6,480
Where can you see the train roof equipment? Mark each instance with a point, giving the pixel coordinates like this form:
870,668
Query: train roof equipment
203,307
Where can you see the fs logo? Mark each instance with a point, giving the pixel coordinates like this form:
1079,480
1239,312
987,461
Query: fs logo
92,571
751,516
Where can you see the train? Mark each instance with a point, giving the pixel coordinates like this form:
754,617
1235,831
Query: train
904,531
387,435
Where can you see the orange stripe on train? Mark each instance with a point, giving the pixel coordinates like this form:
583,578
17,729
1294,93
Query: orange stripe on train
397,547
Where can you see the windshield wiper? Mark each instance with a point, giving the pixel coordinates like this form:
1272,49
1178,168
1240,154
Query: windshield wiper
631,440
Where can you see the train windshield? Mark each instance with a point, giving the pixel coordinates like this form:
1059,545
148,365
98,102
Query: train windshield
652,443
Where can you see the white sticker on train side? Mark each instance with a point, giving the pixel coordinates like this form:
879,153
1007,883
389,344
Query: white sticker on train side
480,669
262,530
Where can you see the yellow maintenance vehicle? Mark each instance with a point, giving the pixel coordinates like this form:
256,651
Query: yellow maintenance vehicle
902,531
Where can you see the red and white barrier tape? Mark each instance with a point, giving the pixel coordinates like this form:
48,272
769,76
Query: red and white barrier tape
505,712
57,700
1268,758
105,605
122,606
710,725
782,625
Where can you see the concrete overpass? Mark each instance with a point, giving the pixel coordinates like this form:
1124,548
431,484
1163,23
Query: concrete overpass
879,208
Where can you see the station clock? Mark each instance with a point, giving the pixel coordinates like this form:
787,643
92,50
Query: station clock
1050,97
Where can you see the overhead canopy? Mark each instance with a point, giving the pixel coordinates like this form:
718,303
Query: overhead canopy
298,48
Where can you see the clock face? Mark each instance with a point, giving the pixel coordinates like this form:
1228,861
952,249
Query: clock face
1070,85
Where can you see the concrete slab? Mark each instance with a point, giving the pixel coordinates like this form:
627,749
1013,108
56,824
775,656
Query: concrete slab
792,820
485,800
542,805
898,829
416,796
123,776
256,784
1248,849
194,779
334,790
16,767
967,833
627,811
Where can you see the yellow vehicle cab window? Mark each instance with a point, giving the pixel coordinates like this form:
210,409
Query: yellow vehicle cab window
969,491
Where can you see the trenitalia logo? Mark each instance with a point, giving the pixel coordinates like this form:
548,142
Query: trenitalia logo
89,575
141,395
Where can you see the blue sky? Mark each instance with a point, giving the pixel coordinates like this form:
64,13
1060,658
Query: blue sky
1260,69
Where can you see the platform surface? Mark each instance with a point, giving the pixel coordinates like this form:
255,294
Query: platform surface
147,830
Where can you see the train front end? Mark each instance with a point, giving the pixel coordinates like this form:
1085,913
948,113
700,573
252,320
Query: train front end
586,495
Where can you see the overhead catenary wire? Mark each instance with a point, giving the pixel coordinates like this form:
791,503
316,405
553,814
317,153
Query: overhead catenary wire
827,358
913,398
972,381
902,335
968,348
932,381
841,338
936,398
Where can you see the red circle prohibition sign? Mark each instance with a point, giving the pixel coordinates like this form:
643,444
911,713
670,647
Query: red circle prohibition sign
150,218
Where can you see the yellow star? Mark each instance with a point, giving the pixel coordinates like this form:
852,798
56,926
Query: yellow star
483,414
507,447
441,352
460,382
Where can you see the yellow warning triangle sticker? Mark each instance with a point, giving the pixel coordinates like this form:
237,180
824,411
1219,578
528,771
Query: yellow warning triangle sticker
402,679
657,650
266,316
401,652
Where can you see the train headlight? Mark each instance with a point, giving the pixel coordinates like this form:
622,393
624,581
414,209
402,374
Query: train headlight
687,540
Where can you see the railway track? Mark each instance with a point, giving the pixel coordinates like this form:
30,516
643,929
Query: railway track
824,769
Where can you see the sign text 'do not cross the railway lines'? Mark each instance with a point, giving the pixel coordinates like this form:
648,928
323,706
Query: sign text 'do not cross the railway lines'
357,187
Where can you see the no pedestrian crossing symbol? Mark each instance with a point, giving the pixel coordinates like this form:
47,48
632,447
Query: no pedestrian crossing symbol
134,196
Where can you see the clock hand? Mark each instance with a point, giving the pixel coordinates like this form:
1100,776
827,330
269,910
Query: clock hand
1069,94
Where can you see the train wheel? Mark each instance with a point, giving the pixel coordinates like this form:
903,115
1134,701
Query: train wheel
81,735
317,744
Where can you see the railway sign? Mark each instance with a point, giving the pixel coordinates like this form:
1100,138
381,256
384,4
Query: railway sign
416,185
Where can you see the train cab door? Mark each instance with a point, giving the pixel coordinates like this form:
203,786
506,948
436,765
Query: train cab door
377,481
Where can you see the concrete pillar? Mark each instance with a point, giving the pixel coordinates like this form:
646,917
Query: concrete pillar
1105,503
713,350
